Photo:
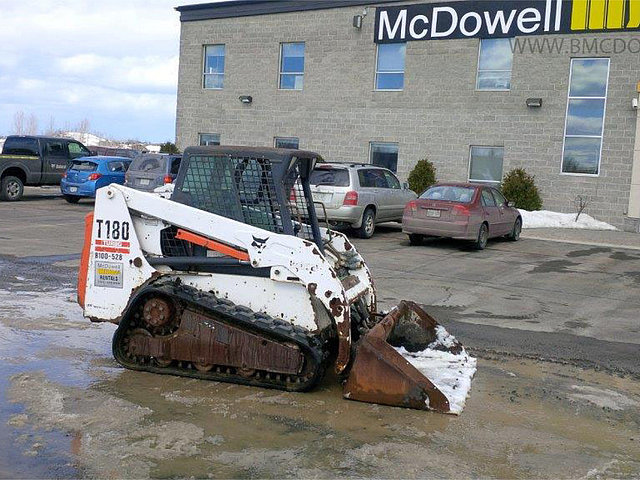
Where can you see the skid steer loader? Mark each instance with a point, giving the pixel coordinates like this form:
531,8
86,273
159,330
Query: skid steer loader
229,277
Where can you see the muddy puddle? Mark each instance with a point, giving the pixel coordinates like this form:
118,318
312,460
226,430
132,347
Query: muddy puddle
68,410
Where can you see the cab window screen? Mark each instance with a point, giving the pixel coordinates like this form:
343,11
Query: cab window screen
237,188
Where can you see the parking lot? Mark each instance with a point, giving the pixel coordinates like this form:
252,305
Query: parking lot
557,393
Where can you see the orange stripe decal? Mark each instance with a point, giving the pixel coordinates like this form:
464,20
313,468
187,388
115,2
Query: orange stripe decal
83,271
212,245
112,250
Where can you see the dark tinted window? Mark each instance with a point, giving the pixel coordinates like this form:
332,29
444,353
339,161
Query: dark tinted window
21,146
145,163
116,167
372,178
292,143
83,166
392,181
449,193
55,148
385,155
335,177
487,199
500,200
175,166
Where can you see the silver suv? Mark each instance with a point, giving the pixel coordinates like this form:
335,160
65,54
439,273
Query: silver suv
358,195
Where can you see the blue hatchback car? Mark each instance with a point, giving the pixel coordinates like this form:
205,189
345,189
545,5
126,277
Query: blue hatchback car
86,175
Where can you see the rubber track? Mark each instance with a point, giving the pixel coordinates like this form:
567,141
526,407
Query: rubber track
238,316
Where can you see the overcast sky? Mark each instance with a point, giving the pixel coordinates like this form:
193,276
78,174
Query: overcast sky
114,62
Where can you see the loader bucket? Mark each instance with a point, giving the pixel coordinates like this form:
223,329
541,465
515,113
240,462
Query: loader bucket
409,360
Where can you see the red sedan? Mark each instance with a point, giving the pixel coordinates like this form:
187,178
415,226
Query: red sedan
464,211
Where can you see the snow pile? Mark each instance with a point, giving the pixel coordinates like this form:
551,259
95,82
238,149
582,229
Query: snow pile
450,373
165,191
86,138
548,219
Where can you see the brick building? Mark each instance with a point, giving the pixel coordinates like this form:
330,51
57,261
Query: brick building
479,88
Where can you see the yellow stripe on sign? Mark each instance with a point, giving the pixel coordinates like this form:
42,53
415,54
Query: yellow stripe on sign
596,14
615,13
634,14
579,14
104,271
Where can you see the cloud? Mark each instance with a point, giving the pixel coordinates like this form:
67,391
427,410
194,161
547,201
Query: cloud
100,60
150,73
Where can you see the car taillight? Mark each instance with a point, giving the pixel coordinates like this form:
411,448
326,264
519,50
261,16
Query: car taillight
168,179
94,176
461,210
411,208
351,198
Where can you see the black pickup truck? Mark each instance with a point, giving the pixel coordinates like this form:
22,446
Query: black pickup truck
35,161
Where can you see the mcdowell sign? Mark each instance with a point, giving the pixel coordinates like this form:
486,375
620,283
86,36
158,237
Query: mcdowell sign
495,19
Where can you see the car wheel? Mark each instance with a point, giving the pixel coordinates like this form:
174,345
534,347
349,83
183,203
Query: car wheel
368,224
11,189
415,239
514,236
72,198
483,237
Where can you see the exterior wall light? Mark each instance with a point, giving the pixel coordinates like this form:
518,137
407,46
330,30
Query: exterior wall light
357,20
246,99
534,102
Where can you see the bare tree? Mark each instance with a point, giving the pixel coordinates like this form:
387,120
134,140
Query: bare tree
18,123
84,125
32,125
51,129
581,202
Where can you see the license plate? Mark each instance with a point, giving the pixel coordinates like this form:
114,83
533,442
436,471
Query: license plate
73,189
145,181
433,213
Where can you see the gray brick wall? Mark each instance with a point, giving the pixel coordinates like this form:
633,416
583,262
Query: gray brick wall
438,115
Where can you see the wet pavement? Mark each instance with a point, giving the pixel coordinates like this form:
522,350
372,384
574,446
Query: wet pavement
549,400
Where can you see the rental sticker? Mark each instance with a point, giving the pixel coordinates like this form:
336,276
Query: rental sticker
108,275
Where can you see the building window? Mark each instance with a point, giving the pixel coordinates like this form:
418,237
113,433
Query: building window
209,139
588,83
390,66
287,142
213,76
485,164
384,155
495,60
291,66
